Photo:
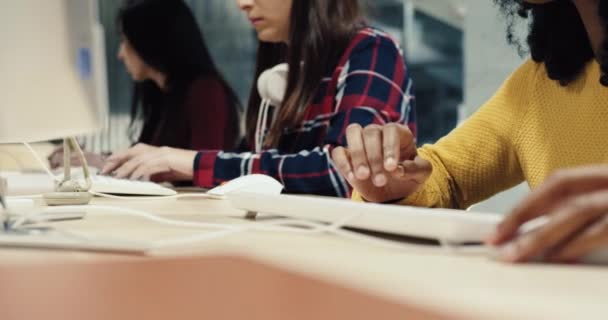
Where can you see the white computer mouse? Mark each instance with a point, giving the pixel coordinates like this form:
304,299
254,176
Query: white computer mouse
255,183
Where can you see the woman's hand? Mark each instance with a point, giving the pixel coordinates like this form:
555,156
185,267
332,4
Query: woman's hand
93,159
381,162
144,162
576,203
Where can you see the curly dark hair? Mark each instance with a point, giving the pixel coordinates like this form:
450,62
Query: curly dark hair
557,37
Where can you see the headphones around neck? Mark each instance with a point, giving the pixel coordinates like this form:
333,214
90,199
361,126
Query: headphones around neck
272,84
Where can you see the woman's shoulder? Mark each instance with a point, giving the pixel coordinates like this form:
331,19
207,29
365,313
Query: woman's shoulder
530,68
206,91
516,96
370,45
205,84
528,76
368,38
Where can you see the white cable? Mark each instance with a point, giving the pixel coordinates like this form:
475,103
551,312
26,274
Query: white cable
264,125
257,127
176,196
225,229
283,225
135,198
280,226
293,226
261,125
83,163
41,162
109,210
274,226
314,228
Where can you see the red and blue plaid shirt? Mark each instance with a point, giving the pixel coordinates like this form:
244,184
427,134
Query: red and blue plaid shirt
370,85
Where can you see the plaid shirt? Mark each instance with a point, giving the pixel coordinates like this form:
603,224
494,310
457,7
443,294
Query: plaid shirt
370,85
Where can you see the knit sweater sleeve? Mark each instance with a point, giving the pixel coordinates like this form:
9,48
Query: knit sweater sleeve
479,158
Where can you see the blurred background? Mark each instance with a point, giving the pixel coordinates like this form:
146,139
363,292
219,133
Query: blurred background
456,52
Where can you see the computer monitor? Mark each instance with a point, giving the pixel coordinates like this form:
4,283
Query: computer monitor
52,70
53,81
52,85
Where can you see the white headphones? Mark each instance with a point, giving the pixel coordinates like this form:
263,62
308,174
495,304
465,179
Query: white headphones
272,84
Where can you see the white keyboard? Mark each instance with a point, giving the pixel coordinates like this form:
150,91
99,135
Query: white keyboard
109,185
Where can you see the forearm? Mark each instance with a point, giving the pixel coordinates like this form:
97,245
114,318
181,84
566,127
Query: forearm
307,172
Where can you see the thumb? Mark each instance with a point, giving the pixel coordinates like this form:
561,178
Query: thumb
418,170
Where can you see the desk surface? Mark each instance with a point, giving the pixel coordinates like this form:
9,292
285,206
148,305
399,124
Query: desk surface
428,277
186,288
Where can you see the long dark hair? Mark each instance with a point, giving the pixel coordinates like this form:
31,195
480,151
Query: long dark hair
557,37
166,36
320,32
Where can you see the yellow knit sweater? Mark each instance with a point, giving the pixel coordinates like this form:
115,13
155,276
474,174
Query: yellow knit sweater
529,129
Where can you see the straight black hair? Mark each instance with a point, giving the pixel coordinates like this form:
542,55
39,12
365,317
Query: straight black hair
167,37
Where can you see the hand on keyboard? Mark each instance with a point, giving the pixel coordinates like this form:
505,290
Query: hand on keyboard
146,162
115,186
110,185
94,160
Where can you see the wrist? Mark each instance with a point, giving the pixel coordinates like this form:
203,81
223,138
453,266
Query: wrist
203,166
187,159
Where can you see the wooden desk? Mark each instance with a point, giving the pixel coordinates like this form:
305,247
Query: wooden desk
186,288
358,275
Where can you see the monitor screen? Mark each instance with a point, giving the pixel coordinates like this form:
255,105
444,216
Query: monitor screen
52,70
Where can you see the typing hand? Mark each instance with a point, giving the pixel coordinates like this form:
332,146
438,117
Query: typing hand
381,162
144,162
56,159
576,202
